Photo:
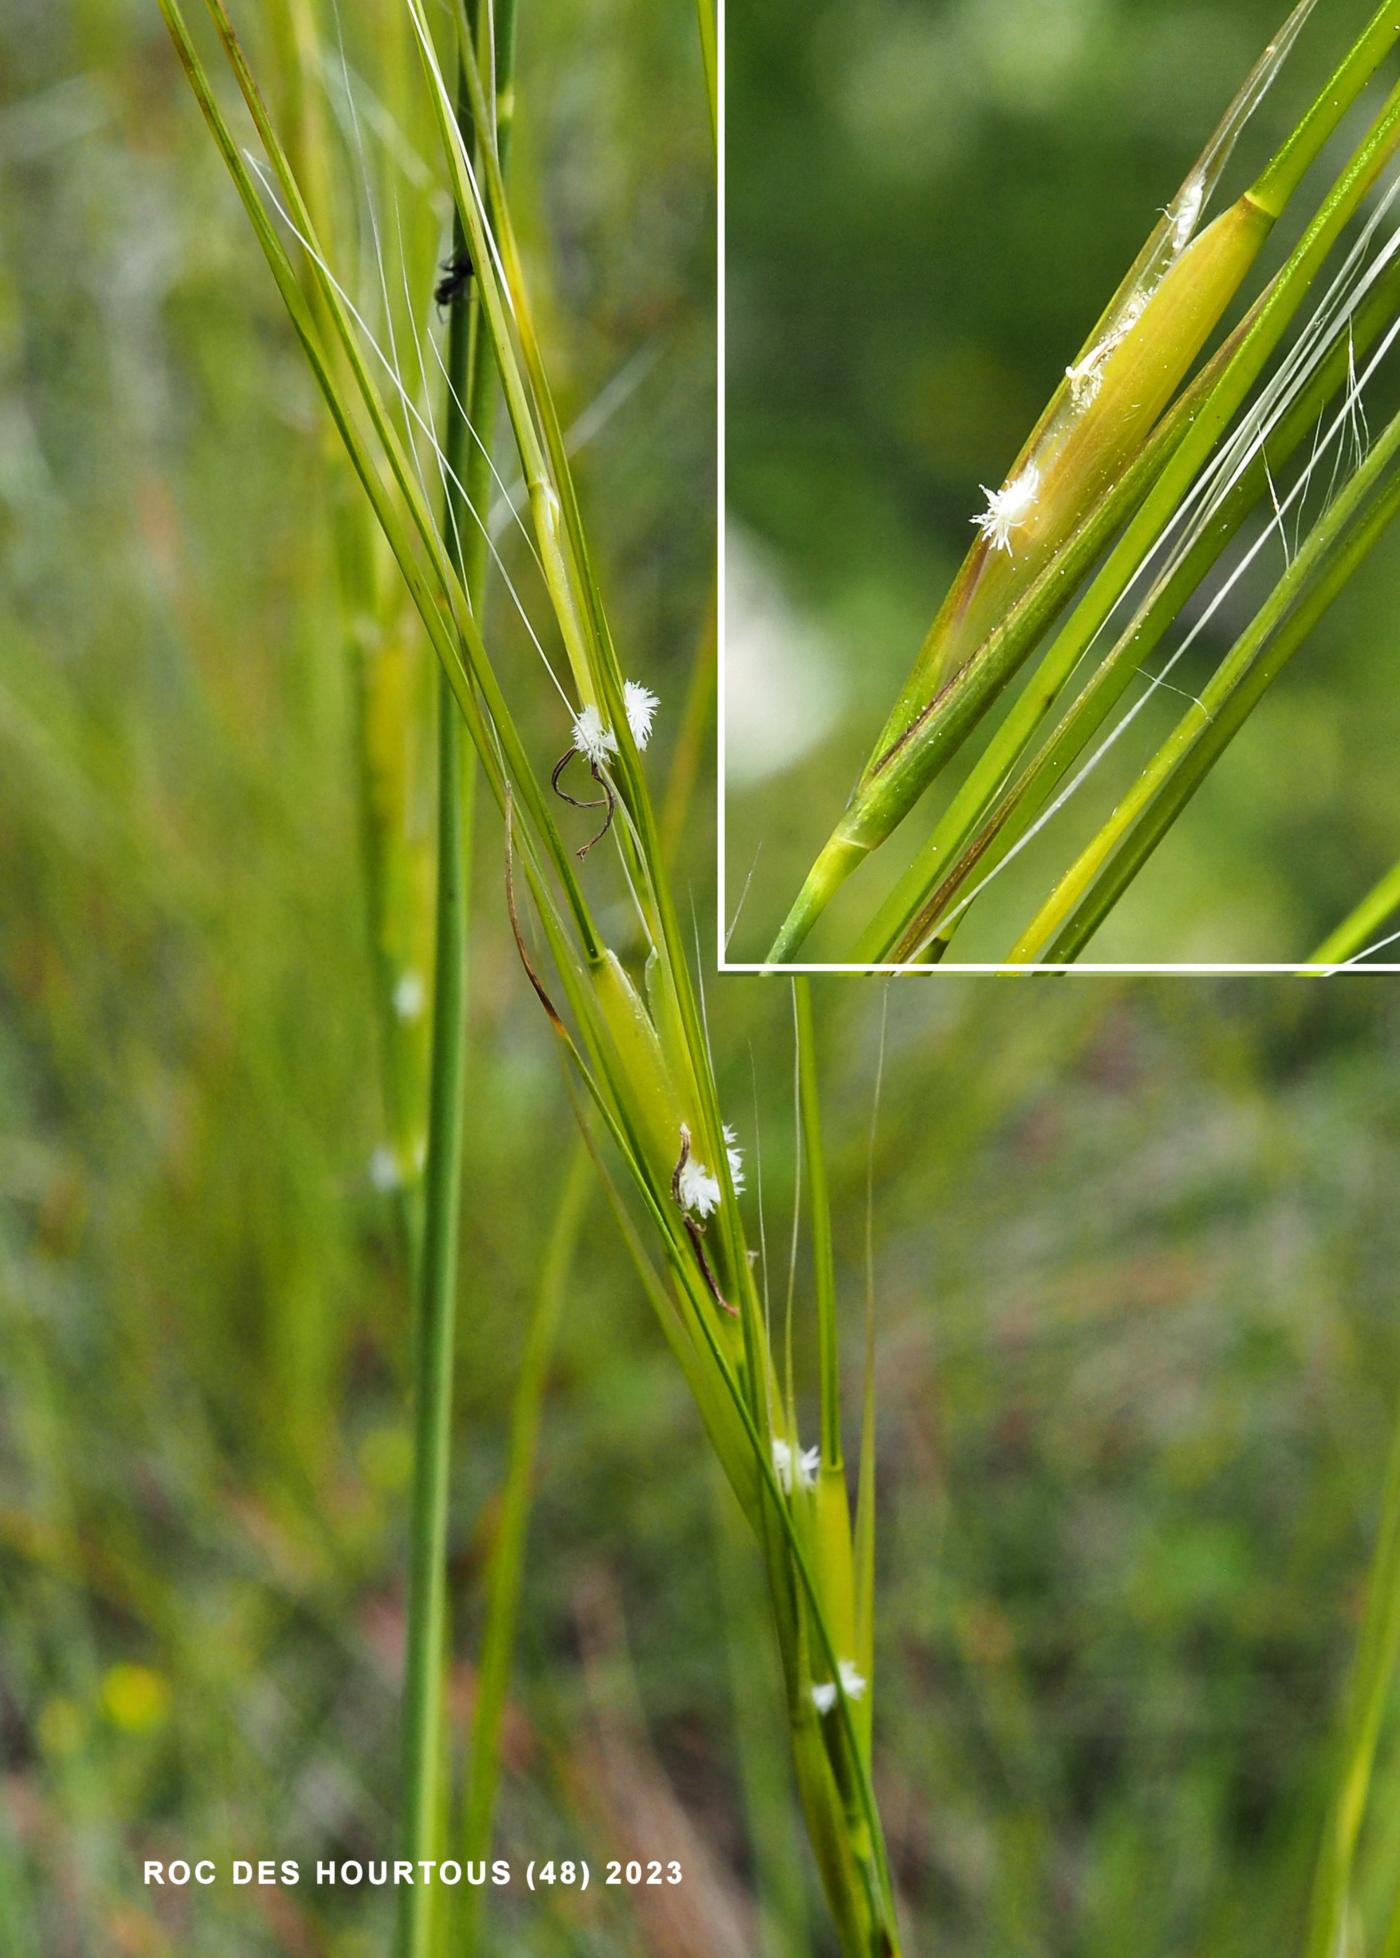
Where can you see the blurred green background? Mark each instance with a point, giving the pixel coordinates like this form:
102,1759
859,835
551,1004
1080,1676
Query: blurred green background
929,203
1134,1249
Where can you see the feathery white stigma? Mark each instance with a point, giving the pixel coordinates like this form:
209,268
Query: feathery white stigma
641,704
384,1169
592,740
409,996
808,1462
736,1159
824,1694
1008,508
697,1189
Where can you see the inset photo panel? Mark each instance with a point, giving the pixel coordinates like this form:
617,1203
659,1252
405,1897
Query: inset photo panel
1060,456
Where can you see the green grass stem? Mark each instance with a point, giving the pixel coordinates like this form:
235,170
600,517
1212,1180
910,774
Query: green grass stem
823,1251
764,1777
424,1731
507,1560
1321,570
1370,1695
1360,926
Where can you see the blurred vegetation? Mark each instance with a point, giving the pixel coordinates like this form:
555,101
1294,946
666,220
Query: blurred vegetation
930,203
1134,1250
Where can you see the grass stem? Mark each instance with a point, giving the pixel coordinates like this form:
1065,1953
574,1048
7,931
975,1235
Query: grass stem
1371,1689
1360,925
468,388
434,1345
503,1580
1093,884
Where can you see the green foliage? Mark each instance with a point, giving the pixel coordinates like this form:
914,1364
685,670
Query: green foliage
1136,1365
967,731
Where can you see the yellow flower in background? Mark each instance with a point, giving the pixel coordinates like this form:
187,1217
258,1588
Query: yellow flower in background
135,1698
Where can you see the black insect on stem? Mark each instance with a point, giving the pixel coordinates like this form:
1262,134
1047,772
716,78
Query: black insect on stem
456,276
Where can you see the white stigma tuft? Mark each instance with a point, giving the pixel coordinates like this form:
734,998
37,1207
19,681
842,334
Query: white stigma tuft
697,1189
641,704
808,1461
824,1694
736,1159
1008,508
592,740
409,996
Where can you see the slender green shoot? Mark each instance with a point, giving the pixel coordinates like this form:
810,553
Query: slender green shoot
422,1817
507,1559
1357,930
1371,1693
1339,542
823,1253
